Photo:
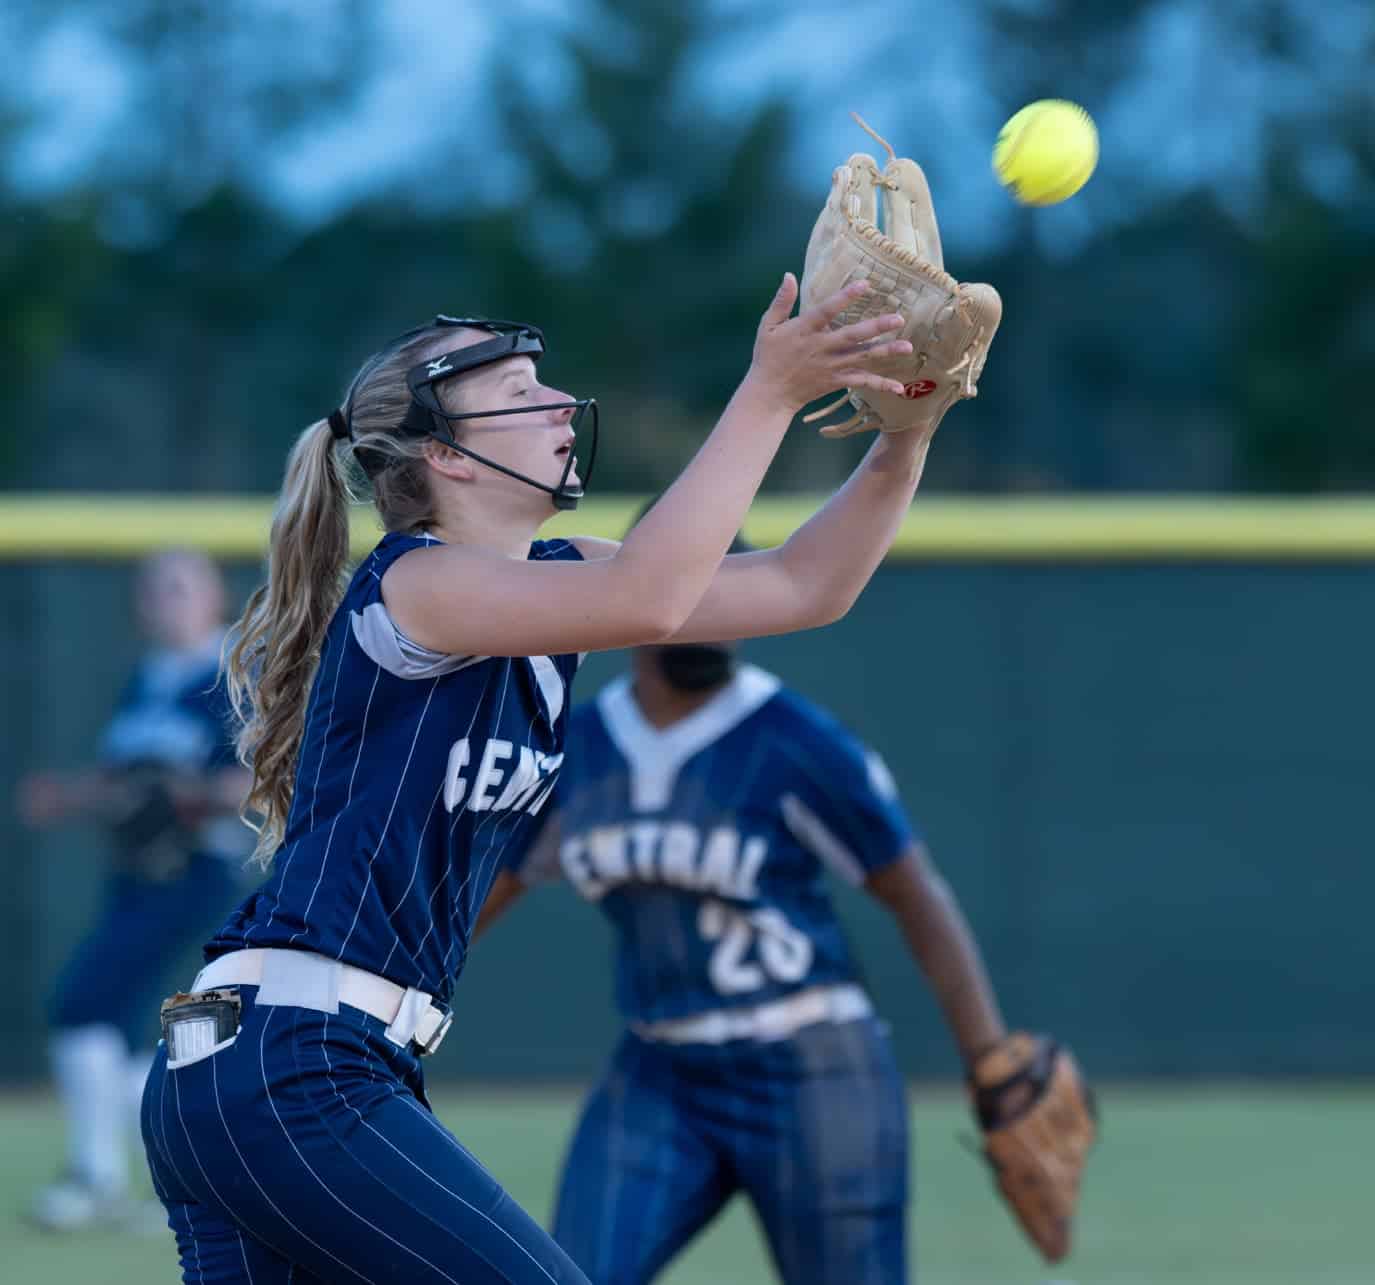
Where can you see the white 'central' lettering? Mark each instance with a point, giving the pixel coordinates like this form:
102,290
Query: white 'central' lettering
720,862
526,788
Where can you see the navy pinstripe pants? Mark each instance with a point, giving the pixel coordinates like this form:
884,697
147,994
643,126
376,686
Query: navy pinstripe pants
812,1129
306,1152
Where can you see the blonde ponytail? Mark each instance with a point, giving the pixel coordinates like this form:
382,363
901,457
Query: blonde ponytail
278,639
277,642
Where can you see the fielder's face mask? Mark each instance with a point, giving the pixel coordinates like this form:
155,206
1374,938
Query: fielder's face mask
425,417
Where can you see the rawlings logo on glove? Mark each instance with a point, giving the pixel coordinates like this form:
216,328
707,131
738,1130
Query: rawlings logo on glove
950,325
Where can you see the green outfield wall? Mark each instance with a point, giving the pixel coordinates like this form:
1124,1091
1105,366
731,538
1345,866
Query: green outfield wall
1146,772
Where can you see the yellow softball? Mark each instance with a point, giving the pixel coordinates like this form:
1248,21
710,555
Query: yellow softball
1046,152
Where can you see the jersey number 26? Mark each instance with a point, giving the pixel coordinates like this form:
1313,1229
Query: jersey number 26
781,953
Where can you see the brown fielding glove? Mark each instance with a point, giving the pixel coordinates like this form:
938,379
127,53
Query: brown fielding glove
1038,1121
950,325
149,835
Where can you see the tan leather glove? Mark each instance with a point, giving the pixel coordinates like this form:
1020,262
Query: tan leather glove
950,325
1038,1122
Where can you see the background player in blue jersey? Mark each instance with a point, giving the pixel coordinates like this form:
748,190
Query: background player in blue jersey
167,789
285,1118
701,808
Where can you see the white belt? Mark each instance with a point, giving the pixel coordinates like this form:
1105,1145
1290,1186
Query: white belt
303,979
776,1020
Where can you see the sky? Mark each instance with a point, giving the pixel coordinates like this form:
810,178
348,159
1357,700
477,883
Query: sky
1199,89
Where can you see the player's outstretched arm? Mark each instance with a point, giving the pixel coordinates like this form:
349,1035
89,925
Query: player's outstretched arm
814,577
462,600
940,939
46,798
50,798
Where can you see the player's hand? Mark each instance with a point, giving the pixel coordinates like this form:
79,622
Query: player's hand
798,359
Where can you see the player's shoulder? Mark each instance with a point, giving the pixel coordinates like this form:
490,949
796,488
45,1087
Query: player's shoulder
207,676
181,677
806,718
396,544
823,745
588,743
366,582
584,717
593,718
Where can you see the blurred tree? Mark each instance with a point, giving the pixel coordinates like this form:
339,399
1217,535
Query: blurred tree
654,230
1178,345
172,184
1166,330
1042,49
50,262
199,92
1301,364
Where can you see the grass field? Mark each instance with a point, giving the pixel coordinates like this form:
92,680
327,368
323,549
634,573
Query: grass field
1222,1185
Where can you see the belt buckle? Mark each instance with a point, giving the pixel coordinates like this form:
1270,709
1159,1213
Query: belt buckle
435,1040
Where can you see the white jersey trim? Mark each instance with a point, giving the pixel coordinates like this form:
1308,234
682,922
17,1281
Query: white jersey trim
656,756
550,683
766,1023
811,832
382,642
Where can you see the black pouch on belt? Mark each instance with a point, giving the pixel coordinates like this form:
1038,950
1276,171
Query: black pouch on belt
194,1025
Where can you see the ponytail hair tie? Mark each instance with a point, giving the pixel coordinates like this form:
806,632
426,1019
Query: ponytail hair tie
338,426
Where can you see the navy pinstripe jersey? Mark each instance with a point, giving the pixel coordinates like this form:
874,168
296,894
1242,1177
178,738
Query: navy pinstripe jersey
706,843
418,772
174,715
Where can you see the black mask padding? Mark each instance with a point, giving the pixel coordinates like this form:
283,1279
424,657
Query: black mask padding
425,416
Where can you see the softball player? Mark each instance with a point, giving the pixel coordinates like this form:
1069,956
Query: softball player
701,808
285,1119
167,790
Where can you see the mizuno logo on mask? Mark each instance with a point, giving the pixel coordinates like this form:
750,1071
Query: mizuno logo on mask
439,366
